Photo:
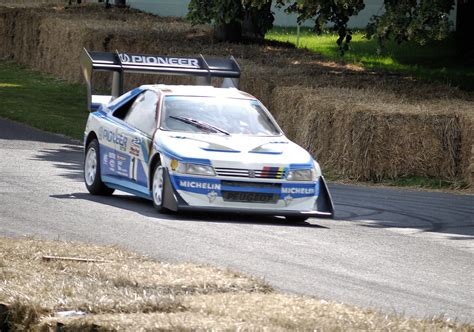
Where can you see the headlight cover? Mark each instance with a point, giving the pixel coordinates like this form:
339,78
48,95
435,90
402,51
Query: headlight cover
195,169
306,174
301,175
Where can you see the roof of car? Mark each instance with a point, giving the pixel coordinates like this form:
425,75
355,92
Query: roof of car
200,90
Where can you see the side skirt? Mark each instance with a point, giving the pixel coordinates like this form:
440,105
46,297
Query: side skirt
127,186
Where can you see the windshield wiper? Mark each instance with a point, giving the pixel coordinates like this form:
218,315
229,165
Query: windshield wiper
199,124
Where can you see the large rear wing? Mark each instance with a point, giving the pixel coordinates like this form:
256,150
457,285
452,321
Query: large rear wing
119,63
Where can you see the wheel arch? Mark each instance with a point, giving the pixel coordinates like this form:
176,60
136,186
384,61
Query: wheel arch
156,159
90,137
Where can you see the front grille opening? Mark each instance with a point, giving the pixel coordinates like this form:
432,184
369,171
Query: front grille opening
271,173
249,197
259,185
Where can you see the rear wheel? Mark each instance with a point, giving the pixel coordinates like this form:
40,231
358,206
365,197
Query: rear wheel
92,178
158,188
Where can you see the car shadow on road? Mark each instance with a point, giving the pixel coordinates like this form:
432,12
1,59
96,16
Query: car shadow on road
145,208
460,227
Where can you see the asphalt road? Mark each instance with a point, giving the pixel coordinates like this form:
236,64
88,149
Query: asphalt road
393,250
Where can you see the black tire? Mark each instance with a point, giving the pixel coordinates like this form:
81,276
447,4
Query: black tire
296,219
158,188
92,178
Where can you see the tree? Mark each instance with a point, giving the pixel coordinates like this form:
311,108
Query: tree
118,3
233,19
322,12
465,28
253,18
402,20
412,20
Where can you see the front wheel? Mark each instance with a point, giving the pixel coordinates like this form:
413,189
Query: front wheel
158,188
92,178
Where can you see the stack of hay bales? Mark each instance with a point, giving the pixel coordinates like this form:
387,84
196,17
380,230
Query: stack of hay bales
359,124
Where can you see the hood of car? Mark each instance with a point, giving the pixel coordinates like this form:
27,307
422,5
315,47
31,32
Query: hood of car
232,149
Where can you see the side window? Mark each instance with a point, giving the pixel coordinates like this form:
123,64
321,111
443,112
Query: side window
142,113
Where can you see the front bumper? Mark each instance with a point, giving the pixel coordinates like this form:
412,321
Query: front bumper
324,205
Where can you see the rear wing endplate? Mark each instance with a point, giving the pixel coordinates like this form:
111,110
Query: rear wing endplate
119,63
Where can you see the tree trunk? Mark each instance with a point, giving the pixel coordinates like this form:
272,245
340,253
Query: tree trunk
120,3
465,27
257,21
228,32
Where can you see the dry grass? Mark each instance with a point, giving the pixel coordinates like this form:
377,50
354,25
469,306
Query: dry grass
125,283
360,124
132,292
30,3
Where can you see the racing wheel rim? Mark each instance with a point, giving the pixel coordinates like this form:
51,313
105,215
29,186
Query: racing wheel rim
158,186
91,166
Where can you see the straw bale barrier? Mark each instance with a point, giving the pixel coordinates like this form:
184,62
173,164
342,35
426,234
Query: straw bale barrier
386,139
359,124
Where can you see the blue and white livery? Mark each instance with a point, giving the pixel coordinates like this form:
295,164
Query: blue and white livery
195,147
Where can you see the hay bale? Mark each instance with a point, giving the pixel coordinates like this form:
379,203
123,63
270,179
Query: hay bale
366,135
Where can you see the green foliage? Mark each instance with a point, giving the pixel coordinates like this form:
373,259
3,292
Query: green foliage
258,17
337,12
254,15
412,20
216,12
403,20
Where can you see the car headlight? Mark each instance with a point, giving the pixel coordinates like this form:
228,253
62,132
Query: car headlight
195,169
307,174
301,175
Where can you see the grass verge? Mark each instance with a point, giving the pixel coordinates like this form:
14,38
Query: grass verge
436,61
42,101
126,291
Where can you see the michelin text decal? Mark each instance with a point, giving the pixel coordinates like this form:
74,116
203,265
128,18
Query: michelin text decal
300,191
199,185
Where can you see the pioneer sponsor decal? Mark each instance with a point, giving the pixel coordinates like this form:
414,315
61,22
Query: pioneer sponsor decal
113,137
158,61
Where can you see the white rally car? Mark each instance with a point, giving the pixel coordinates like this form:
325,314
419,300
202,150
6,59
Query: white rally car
195,147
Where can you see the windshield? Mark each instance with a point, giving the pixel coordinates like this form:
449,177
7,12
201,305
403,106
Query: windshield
217,115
